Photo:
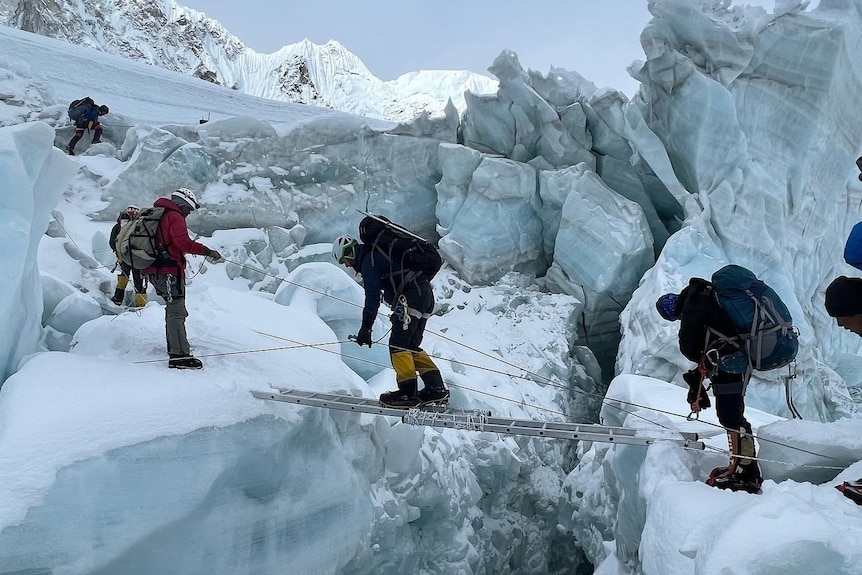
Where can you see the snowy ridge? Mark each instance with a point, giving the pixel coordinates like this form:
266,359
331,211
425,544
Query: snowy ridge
171,36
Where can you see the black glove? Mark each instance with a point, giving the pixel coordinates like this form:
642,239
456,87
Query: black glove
364,335
696,391
211,254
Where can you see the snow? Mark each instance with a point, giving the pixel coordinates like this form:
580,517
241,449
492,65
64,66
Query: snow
167,35
112,463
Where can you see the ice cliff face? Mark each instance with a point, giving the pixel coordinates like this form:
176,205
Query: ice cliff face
770,114
165,34
751,121
42,172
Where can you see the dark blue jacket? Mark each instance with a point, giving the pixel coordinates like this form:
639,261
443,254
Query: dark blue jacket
91,115
381,275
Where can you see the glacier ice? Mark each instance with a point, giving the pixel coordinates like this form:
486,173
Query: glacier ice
32,176
557,206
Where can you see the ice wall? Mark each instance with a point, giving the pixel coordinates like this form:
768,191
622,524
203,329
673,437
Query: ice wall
479,183
32,176
757,117
749,120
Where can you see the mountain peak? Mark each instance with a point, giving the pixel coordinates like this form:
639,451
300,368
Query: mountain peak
168,35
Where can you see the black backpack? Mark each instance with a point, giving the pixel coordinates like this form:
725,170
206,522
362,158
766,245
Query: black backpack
136,242
400,245
78,107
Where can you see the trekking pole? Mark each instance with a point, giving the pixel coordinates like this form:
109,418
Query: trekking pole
392,225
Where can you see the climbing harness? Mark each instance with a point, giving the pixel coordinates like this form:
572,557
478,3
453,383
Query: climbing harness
402,312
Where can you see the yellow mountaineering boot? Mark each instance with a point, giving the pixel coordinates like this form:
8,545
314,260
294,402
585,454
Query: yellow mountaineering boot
140,299
120,291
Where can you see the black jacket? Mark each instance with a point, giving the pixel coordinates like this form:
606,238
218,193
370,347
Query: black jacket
700,311
122,219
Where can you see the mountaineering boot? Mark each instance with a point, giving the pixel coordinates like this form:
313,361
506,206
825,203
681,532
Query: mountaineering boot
70,150
96,141
852,490
119,296
433,395
434,390
398,399
185,362
140,299
402,398
722,479
743,472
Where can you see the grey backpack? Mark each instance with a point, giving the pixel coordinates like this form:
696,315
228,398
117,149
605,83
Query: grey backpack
136,242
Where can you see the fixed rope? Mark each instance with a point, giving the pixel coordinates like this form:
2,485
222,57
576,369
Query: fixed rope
524,374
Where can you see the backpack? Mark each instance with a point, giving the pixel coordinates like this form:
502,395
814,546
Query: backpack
136,242
765,338
115,231
78,107
399,244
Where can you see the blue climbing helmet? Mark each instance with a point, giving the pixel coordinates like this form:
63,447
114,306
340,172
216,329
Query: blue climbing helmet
667,306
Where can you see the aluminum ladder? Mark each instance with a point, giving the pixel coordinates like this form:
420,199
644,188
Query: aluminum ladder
477,420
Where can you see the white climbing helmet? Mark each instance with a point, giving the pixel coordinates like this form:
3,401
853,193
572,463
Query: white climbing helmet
187,197
344,247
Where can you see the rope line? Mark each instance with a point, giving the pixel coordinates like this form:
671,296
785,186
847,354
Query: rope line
546,380
538,378
522,403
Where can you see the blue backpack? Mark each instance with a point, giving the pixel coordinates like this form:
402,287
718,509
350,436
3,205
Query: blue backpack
78,108
765,338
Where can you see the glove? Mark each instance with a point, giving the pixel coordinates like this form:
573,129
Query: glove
364,335
697,397
212,254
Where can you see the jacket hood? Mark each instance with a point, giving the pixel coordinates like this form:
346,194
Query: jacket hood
168,204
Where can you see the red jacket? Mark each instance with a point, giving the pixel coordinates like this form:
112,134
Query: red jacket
174,235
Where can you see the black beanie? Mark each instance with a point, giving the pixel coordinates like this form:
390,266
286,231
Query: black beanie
844,297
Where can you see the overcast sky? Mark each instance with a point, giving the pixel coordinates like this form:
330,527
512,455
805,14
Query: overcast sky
597,38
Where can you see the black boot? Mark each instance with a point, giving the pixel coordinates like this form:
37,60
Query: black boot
119,296
434,391
402,398
184,362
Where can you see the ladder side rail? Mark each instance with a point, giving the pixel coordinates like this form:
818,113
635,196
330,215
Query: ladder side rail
563,426
329,404
477,421
459,423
